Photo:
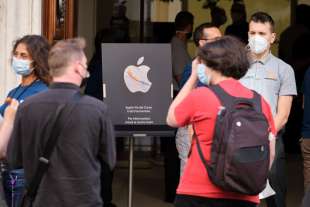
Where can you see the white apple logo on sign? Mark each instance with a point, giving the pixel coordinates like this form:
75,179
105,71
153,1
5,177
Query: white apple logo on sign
135,77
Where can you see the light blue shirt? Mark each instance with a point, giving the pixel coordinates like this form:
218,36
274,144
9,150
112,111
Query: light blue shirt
271,77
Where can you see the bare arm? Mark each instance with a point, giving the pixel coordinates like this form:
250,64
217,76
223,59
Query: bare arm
283,111
7,127
187,88
272,146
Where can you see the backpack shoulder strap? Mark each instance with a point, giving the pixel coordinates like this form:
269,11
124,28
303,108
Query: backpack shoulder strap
221,94
59,122
257,100
228,100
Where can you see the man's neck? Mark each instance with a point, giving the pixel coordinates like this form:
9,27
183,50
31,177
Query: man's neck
217,78
64,79
260,56
181,36
27,80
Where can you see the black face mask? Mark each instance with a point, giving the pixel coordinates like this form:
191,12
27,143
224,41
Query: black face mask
84,82
189,35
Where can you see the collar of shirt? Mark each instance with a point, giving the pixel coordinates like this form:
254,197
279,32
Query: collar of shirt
64,85
264,60
178,41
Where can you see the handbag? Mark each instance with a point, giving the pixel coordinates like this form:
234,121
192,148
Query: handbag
59,122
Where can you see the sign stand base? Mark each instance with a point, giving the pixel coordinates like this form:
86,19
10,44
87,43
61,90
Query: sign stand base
130,186
131,137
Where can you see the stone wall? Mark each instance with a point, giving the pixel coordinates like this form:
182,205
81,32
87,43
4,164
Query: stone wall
17,18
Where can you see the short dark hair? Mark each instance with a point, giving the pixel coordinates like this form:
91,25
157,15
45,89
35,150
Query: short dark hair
38,48
183,19
263,17
218,16
226,55
199,31
239,8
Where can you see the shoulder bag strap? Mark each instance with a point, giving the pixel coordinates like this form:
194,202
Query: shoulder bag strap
61,114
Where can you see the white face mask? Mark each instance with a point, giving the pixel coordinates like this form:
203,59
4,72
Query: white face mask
21,67
258,44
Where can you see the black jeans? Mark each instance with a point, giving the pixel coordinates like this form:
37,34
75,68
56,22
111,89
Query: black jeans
172,167
106,184
277,177
195,201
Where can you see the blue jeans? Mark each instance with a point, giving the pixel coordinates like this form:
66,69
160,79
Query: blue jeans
13,185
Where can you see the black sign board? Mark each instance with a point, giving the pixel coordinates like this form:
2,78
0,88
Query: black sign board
137,87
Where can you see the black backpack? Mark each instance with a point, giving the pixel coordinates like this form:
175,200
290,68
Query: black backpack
240,150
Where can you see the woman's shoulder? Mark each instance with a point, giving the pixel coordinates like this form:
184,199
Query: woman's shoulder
202,90
39,85
12,90
203,94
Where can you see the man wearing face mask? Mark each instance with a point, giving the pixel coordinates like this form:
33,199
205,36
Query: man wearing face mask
203,34
84,134
275,81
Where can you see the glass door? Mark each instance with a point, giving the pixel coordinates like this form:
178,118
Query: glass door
58,19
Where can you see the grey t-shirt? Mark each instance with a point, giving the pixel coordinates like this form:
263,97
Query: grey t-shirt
271,78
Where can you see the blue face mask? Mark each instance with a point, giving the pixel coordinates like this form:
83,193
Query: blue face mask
202,76
21,67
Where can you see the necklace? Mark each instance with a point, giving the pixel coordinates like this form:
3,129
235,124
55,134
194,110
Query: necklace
9,98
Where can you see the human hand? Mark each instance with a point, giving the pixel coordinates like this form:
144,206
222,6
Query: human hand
195,64
10,111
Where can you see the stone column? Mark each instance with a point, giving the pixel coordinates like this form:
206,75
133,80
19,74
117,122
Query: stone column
17,18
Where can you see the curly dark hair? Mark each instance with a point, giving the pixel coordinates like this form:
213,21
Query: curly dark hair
226,55
38,48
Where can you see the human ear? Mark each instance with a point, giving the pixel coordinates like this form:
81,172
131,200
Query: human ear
273,37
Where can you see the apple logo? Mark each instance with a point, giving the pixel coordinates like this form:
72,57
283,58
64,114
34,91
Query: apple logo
135,77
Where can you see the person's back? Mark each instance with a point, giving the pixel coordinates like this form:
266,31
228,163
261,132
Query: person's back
292,33
180,57
72,178
221,62
85,138
239,28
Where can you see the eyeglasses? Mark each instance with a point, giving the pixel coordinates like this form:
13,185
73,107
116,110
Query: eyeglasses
205,39
210,39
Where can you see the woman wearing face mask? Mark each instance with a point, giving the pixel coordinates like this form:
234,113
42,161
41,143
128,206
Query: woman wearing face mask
221,63
29,60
